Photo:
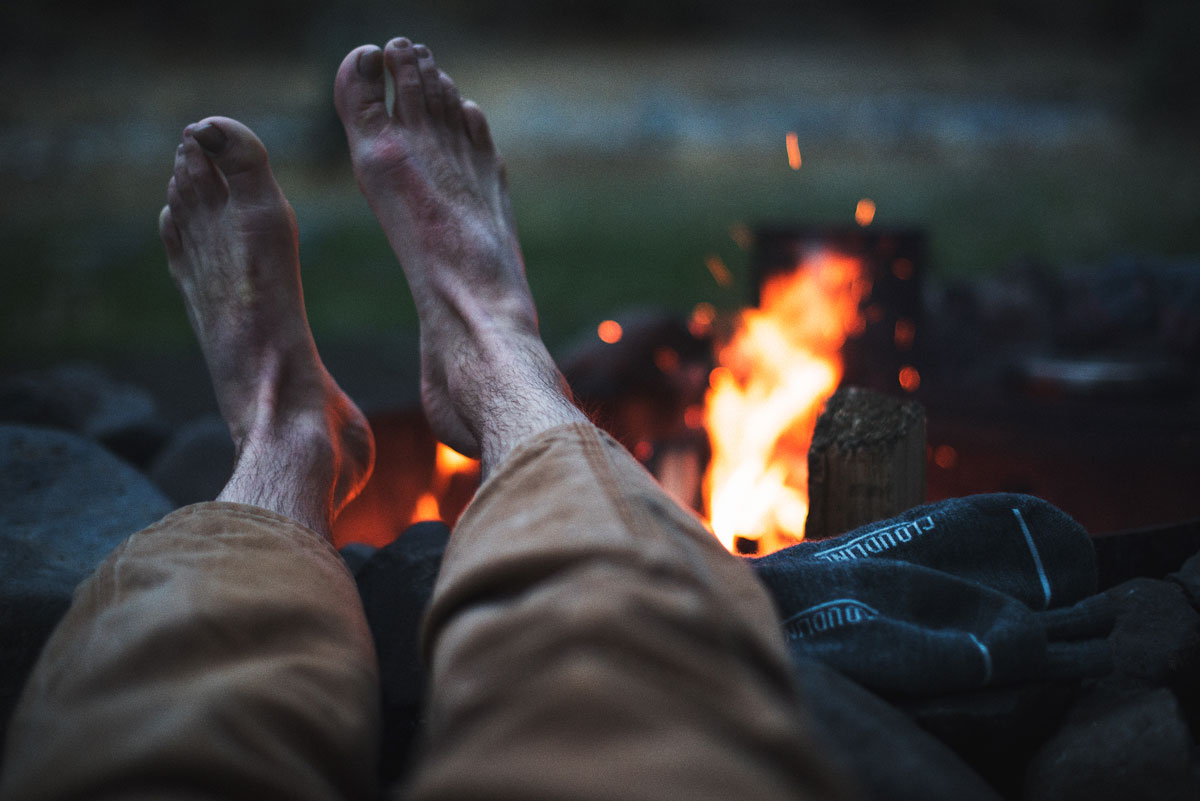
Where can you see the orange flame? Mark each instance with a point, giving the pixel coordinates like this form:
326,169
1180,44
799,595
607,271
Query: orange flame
773,376
449,463
427,508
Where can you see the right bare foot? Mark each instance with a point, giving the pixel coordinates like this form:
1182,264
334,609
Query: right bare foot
432,176
304,449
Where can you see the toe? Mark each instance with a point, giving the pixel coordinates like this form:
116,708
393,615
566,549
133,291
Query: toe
195,182
236,152
431,83
169,233
477,126
451,102
401,60
360,92
174,199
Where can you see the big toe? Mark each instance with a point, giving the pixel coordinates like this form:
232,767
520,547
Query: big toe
359,92
237,152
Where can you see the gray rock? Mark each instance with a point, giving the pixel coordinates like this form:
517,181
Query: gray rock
1188,577
877,747
196,462
65,502
1117,747
995,730
1156,638
82,398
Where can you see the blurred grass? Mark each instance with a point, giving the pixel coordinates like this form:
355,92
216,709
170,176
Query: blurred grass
81,269
601,234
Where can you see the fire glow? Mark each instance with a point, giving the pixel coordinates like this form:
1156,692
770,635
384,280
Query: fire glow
447,465
773,375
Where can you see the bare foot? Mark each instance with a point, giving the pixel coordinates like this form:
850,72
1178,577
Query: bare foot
304,449
433,178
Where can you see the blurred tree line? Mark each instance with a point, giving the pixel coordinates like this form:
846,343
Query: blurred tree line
1157,38
32,23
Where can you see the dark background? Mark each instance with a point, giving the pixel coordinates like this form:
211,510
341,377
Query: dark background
638,134
1027,140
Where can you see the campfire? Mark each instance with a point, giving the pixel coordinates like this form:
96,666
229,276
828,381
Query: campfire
781,364
836,306
734,444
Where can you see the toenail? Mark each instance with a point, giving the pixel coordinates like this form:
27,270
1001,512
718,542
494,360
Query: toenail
422,51
400,42
210,137
370,63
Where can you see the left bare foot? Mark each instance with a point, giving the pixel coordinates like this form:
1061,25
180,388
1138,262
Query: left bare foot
304,449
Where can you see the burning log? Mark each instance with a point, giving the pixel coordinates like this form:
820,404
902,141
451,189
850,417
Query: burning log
866,462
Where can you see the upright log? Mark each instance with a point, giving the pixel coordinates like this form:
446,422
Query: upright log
866,462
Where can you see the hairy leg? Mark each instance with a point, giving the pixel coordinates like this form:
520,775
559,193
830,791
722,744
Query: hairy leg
303,448
583,626
432,176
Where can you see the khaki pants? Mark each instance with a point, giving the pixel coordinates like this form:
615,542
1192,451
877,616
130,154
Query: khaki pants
587,639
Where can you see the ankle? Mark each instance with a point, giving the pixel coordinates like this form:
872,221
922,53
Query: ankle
535,398
288,467
501,438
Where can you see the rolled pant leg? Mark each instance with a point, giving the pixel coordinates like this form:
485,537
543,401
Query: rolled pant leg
589,639
220,653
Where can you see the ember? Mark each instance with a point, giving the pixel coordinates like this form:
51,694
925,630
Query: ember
864,212
609,331
909,378
793,150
